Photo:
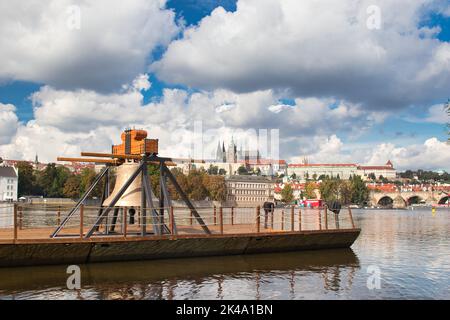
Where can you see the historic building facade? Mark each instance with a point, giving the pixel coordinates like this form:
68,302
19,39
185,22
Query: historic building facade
9,181
306,171
249,190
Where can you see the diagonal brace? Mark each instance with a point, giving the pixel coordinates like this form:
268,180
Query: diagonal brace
186,199
80,202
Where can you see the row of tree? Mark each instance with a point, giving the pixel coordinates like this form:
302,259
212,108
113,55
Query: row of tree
59,182
421,176
352,191
55,181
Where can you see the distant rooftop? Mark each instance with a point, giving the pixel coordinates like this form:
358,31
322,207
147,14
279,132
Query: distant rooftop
248,178
323,165
8,172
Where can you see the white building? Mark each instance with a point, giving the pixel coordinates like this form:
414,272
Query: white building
386,171
342,170
249,190
9,181
314,171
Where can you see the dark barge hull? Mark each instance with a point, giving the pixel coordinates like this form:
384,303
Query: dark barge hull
80,251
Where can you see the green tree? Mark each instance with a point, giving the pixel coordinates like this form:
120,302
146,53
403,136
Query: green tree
222,172
213,170
197,189
359,190
52,180
216,187
242,171
287,194
87,177
309,190
27,179
72,187
330,190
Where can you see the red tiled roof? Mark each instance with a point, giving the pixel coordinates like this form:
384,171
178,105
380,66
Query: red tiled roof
263,161
323,165
375,168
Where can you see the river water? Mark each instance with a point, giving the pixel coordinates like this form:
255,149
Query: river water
400,254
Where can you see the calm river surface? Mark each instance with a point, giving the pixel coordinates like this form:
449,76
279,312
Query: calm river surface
411,249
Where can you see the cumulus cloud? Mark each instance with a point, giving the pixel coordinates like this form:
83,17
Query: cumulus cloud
437,114
432,154
42,41
8,122
74,120
321,49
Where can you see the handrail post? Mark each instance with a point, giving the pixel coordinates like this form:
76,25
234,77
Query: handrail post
326,217
320,219
20,218
215,215
15,222
172,221
282,220
125,223
58,216
81,221
221,219
292,219
272,213
258,219
351,217
191,217
299,219
232,216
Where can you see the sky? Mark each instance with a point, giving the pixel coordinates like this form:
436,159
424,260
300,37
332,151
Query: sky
352,81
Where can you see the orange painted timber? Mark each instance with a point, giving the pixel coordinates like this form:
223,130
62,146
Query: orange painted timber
112,161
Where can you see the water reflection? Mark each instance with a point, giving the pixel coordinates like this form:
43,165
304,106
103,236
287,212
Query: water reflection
187,278
411,248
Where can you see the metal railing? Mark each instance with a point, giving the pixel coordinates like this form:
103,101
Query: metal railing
25,221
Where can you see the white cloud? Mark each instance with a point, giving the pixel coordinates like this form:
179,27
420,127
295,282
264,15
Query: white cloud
72,121
112,45
8,122
68,122
432,154
437,114
315,48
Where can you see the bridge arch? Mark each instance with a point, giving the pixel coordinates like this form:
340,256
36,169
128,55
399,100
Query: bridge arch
386,201
415,199
444,200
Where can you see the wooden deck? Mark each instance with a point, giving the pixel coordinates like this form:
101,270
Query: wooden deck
70,234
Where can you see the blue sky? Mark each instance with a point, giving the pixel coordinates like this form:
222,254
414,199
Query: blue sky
402,125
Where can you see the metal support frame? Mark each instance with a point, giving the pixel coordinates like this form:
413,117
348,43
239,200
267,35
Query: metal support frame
167,203
185,199
80,202
159,227
105,195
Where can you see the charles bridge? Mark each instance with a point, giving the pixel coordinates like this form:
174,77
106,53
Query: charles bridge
402,199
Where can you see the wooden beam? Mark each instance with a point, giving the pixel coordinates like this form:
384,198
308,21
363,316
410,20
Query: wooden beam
88,160
111,155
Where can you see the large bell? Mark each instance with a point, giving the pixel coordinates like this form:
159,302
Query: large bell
132,196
